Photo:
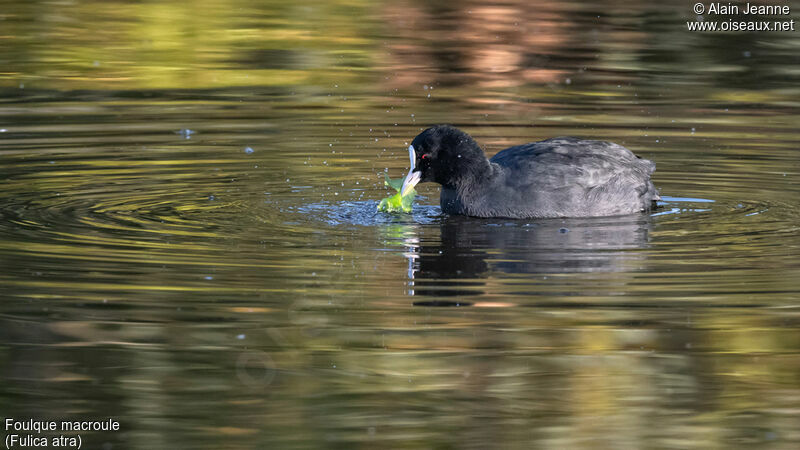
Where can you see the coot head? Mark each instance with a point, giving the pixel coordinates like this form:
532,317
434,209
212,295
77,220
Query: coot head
444,155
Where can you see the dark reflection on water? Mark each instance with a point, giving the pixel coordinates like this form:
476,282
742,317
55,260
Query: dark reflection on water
546,246
189,239
471,249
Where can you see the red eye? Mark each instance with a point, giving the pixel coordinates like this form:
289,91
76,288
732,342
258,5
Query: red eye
424,156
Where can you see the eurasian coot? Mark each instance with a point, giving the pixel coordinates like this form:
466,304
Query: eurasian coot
558,177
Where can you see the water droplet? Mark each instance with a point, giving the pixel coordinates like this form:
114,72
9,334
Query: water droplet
185,132
248,150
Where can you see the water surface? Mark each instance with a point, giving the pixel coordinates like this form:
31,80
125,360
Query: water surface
190,243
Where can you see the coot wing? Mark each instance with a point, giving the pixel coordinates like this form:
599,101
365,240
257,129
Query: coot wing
566,176
565,162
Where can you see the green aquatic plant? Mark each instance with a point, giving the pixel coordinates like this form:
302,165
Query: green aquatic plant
404,198
398,202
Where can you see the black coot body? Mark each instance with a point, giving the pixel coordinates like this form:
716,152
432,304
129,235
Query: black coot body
558,177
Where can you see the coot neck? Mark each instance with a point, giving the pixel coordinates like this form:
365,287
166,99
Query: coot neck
471,170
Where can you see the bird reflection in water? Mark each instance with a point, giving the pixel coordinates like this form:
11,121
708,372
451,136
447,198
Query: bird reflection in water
456,269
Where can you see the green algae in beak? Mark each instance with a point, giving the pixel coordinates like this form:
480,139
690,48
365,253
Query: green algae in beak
397,202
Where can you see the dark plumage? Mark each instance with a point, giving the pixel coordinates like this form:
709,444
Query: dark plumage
558,177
